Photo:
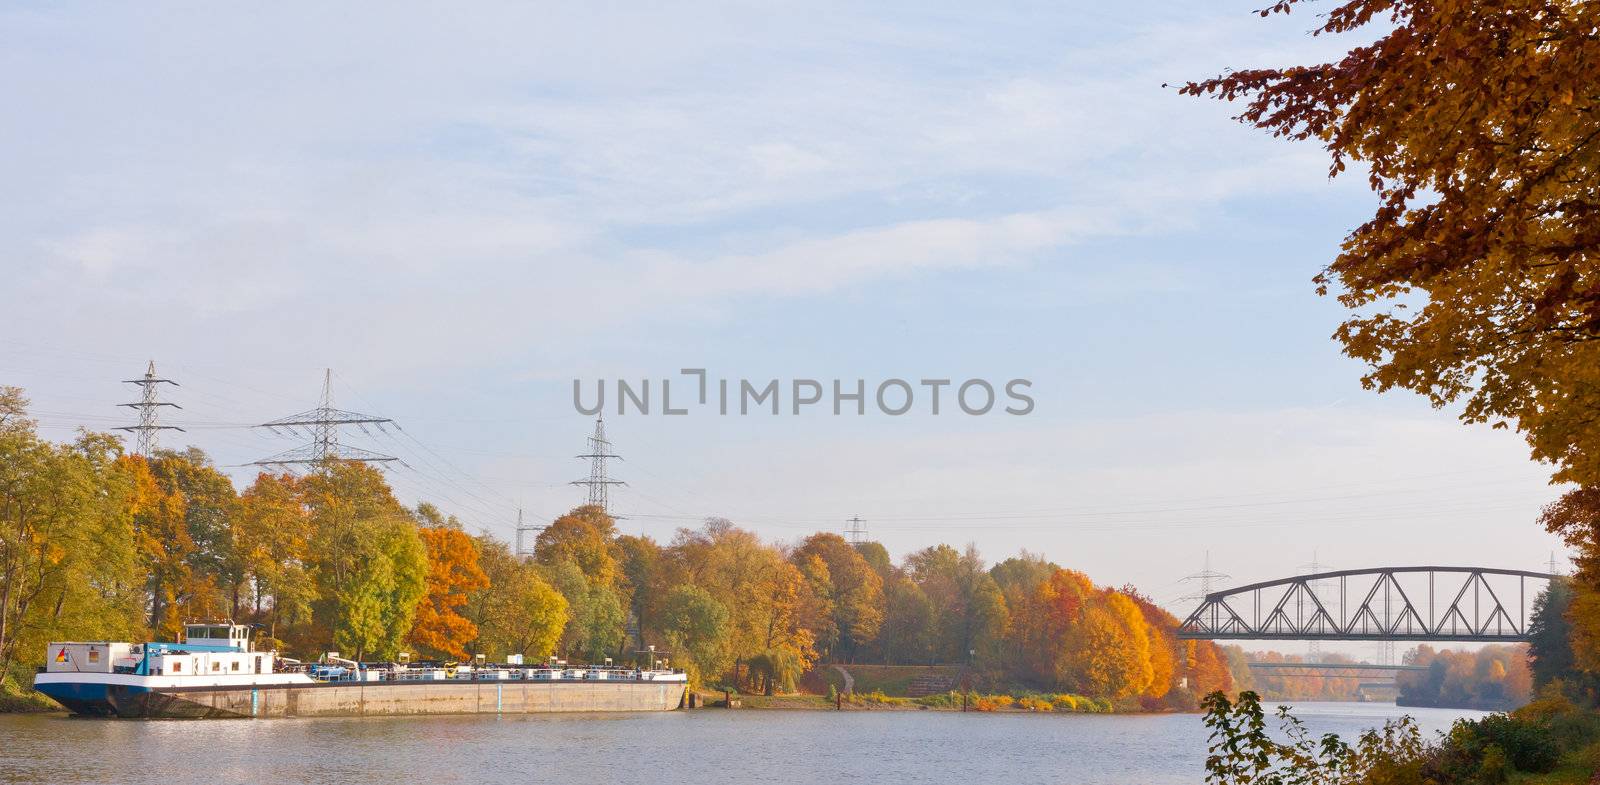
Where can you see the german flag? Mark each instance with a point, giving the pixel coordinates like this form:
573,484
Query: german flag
61,656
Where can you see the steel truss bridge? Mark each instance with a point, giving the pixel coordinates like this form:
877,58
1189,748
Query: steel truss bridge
1451,604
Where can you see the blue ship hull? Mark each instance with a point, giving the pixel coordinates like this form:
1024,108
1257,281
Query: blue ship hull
100,700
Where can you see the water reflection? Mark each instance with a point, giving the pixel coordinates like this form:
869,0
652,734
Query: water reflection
770,746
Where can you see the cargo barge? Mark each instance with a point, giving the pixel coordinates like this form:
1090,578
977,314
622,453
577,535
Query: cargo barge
215,673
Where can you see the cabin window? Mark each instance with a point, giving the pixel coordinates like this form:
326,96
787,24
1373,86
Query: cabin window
235,665
216,666
177,667
258,665
94,655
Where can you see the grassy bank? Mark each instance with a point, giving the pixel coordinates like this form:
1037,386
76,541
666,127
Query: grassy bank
15,700
1021,702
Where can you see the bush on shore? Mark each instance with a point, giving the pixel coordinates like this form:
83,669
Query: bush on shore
1551,736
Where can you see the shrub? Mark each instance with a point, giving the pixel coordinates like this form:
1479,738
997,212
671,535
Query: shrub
1243,751
1494,768
1526,744
877,696
993,702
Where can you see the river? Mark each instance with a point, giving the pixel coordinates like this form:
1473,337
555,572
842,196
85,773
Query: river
703,746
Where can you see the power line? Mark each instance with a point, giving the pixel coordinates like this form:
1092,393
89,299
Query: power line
149,409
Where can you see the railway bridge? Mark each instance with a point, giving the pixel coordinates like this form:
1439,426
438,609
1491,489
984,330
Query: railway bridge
1444,604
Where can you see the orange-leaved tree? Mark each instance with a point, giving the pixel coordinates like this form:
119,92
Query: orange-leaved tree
453,574
1477,279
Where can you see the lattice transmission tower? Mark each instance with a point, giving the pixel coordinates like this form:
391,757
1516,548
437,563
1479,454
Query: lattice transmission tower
1207,578
1314,648
856,532
524,542
149,407
599,482
322,425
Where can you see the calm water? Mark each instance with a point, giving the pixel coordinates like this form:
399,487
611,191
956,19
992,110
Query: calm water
836,748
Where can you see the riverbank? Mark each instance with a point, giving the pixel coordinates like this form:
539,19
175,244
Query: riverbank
1024,703
25,701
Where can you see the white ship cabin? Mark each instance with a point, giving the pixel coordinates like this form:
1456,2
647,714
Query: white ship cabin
210,650
215,650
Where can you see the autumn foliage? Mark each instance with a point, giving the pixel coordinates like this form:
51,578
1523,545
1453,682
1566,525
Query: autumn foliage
453,574
333,561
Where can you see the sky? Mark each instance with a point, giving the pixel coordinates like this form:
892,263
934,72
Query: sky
461,212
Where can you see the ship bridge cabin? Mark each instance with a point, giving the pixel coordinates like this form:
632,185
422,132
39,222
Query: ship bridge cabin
221,636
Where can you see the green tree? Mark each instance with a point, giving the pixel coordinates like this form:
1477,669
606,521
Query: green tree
699,632
370,564
1550,635
597,612
973,614
68,567
908,624
518,612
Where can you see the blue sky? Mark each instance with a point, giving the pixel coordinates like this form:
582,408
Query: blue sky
461,212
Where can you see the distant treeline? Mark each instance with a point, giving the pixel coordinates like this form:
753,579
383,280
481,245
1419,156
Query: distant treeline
99,544
1492,678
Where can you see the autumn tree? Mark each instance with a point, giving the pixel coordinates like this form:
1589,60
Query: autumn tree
515,611
272,535
1046,617
578,554
647,574
453,574
1477,279
68,567
161,536
752,580
369,562
1165,648
851,588
587,538
213,569
1103,655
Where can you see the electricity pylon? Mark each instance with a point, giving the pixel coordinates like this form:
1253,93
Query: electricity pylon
1207,578
322,425
599,482
149,408
856,533
524,545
